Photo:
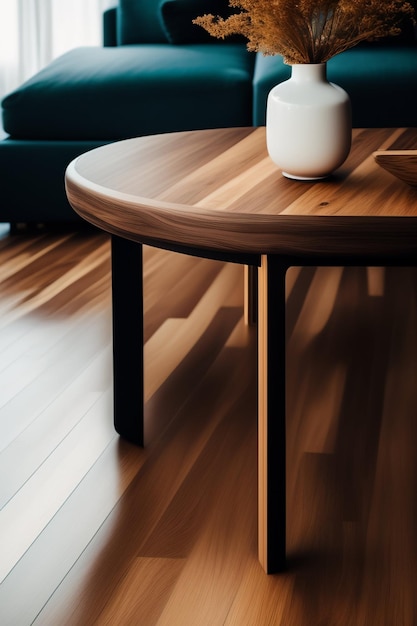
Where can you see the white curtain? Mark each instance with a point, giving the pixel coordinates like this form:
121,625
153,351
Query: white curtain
33,32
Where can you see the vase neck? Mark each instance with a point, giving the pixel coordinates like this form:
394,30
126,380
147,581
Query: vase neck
307,72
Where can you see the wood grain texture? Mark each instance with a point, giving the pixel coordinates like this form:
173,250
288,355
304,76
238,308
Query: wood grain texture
400,163
115,533
218,190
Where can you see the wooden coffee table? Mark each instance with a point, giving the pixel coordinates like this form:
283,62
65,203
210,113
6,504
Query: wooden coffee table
216,194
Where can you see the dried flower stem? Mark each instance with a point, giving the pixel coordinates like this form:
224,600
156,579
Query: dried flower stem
308,31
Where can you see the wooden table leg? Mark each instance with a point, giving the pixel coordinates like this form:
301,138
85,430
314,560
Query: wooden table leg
271,416
127,297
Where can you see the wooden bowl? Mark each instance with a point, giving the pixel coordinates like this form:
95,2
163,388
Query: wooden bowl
400,163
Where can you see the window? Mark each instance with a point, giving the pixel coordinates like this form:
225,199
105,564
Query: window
33,32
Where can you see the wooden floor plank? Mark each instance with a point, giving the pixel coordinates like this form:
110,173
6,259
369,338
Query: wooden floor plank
96,531
229,532
175,338
43,494
105,562
58,548
71,406
142,593
49,376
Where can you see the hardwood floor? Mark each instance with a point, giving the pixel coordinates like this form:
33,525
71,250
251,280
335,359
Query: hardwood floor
95,531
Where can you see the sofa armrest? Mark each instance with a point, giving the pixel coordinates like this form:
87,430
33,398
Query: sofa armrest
109,27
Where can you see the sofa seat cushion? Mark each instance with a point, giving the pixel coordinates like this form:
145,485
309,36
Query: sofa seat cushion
115,93
380,80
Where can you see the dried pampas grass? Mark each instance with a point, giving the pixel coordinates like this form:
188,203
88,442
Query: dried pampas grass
308,31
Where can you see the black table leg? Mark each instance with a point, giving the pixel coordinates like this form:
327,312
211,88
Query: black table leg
251,294
127,294
271,415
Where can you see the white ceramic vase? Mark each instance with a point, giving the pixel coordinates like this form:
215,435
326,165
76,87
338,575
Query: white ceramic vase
308,124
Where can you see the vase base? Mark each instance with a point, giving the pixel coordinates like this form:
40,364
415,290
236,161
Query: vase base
306,178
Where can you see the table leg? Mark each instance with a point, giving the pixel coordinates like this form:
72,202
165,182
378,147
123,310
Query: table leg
127,298
271,416
250,307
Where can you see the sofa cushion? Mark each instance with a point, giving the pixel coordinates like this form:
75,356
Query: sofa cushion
114,93
381,82
269,71
177,20
138,21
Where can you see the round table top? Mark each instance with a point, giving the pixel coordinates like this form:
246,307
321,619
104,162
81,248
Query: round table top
218,190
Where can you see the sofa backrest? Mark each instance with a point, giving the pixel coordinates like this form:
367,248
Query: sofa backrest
161,21
138,21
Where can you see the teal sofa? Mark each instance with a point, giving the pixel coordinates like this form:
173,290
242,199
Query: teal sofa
158,73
